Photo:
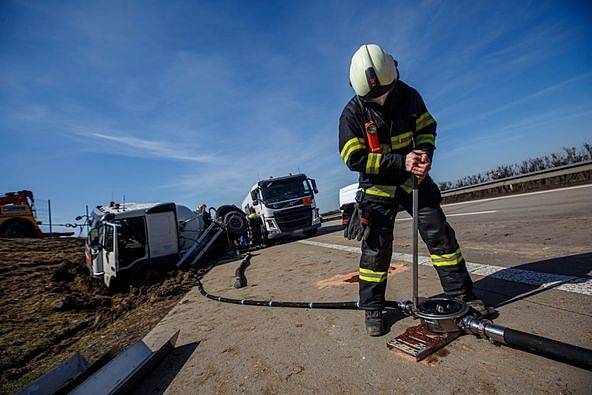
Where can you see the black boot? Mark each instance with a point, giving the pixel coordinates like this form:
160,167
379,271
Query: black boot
374,323
475,304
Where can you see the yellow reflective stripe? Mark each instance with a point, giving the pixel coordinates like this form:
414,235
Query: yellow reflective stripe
424,120
451,259
382,190
371,279
372,276
369,271
401,140
425,139
373,163
354,144
407,186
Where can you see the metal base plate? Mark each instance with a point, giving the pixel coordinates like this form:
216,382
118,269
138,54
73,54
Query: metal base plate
419,342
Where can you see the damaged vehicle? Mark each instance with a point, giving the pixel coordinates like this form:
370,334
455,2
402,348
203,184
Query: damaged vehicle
125,240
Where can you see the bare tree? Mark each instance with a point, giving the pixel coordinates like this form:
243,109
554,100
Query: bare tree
568,156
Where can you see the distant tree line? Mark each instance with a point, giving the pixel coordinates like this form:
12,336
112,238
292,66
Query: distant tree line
568,156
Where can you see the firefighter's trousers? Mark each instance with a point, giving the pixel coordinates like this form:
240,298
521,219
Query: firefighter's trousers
438,235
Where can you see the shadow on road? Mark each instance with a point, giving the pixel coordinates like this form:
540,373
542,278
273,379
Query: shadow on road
501,290
167,370
323,230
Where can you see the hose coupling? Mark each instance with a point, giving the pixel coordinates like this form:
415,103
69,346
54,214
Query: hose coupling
483,328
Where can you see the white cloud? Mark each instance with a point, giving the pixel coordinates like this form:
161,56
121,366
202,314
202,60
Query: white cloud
149,148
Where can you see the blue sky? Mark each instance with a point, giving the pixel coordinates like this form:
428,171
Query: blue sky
193,101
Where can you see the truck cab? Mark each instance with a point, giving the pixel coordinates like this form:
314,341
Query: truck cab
286,205
126,237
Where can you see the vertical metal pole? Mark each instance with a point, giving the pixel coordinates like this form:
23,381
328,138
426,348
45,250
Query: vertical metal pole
415,242
49,213
86,220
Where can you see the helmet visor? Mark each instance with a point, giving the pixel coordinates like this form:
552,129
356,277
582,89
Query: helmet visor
378,91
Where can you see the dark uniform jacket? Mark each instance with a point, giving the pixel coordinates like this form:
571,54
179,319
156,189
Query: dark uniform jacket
402,124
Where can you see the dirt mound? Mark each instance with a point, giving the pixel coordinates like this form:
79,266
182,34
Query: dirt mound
50,307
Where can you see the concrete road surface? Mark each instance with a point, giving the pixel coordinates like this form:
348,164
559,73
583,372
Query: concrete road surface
529,255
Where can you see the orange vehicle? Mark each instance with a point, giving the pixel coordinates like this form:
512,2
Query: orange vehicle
17,216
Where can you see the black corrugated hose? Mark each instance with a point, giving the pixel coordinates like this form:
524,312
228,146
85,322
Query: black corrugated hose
549,348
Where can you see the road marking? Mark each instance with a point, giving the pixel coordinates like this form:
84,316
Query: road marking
578,285
519,195
455,215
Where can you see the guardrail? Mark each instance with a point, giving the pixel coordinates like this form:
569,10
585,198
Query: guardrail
537,175
572,174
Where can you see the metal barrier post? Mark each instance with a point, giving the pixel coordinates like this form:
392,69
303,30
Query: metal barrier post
49,213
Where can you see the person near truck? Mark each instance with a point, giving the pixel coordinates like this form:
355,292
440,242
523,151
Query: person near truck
387,135
255,224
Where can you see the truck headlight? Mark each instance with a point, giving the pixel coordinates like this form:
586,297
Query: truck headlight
272,224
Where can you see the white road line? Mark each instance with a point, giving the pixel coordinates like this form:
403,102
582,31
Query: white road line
578,285
519,195
455,215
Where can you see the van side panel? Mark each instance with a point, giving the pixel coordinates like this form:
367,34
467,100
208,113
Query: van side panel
162,234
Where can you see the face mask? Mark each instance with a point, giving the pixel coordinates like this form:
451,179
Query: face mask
380,99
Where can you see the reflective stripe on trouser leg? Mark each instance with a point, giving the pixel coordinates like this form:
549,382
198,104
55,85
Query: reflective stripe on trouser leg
445,252
439,238
376,256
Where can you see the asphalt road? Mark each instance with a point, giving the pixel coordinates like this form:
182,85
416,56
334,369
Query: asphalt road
530,256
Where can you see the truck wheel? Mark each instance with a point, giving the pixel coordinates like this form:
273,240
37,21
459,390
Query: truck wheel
311,232
17,228
235,222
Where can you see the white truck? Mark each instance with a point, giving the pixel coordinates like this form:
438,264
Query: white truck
125,238
286,205
347,198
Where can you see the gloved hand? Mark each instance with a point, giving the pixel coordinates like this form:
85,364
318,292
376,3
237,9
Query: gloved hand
358,225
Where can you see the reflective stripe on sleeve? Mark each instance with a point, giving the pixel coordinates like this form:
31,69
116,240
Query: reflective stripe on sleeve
423,121
372,276
407,186
401,140
354,144
373,163
451,259
425,139
381,191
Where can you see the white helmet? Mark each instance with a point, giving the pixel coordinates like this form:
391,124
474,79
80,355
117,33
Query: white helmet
372,72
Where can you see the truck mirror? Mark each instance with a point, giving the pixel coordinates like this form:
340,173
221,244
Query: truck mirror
314,185
254,197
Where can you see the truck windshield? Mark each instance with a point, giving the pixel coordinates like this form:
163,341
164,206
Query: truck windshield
276,191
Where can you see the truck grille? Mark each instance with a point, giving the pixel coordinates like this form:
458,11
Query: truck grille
293,219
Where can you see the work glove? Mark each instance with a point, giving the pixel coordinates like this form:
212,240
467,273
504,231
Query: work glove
358,225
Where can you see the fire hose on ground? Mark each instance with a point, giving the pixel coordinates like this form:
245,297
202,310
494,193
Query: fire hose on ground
460,319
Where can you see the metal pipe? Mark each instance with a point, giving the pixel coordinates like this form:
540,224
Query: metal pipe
415,243
49,214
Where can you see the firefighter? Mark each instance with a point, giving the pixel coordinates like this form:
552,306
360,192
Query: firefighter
255,224
387,135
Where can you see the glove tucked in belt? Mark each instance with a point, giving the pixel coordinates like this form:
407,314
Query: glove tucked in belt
357,226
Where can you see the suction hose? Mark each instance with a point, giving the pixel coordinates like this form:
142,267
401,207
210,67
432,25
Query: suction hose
399,305
545,347
548,348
